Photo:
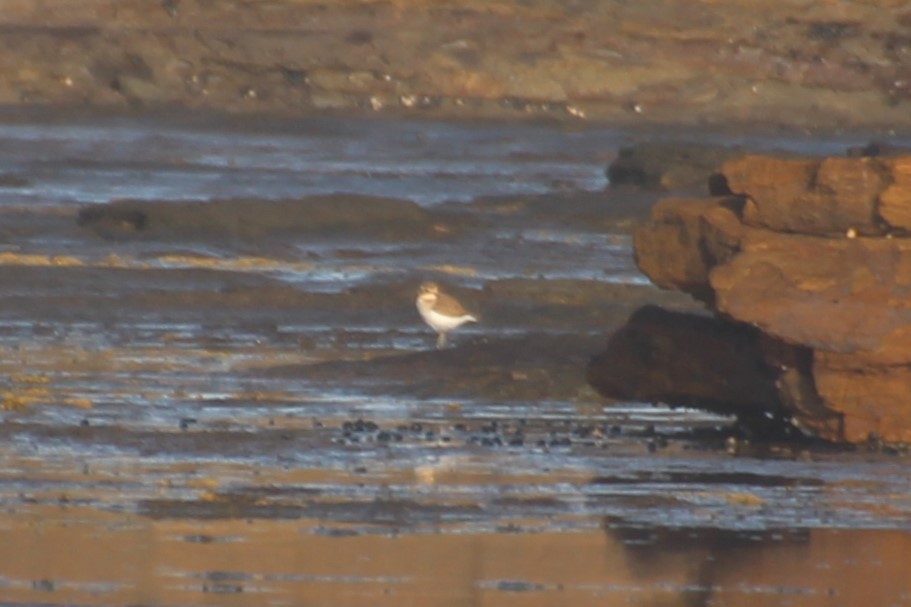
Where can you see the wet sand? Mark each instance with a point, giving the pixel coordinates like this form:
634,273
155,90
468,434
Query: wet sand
245,408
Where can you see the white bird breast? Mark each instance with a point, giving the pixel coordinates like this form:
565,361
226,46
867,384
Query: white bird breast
440,322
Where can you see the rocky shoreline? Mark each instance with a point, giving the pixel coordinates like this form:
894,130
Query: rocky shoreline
805,262
775,64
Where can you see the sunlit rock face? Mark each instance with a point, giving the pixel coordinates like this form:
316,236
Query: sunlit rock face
815,255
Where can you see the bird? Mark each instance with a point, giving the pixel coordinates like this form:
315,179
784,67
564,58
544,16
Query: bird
442,312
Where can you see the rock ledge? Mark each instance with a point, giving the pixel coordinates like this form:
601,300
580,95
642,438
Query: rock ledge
807,266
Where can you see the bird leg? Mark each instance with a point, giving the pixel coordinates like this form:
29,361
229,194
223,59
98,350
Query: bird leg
441,341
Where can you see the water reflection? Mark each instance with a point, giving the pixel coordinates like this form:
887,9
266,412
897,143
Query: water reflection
128,559
711,566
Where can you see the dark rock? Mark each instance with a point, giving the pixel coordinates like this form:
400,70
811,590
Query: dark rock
686,360
331,215
13,181
113,220
668,165
878,148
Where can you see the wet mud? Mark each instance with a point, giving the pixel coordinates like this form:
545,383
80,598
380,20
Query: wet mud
243,407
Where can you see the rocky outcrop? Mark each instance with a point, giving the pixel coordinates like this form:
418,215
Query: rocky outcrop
814,255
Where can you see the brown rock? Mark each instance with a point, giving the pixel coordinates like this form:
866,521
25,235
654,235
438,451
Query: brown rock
774,185
685,239
833,313
837,295
797,388
850,187
895,200
809,196
722,232
873,399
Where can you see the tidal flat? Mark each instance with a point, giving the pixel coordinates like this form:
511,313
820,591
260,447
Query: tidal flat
216,389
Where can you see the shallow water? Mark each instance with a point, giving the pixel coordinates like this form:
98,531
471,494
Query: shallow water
152,454
426,162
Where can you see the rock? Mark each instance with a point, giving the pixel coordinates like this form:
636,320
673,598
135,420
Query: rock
807,257
878,148
871,397
382,218
9,180
686,360
809,196
669,166
836,295
895,200
827,197
797,388
708,230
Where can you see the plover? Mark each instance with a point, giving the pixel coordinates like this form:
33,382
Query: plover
442,312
